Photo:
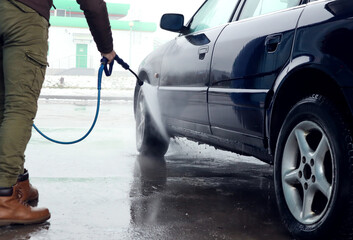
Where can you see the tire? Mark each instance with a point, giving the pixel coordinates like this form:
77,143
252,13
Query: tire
149,140
313,171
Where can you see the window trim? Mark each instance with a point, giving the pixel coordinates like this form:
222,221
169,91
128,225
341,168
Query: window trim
187,26
237,15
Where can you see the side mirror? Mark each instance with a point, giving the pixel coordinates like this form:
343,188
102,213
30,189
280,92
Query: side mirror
172,22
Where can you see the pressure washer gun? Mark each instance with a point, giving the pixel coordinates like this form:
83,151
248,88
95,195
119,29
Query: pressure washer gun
108,70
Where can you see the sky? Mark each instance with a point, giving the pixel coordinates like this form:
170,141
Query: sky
152,10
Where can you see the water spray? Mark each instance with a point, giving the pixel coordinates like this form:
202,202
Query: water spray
108,69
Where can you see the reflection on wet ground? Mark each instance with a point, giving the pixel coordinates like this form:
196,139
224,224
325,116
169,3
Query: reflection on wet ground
181,199
102,189
178,199
23,232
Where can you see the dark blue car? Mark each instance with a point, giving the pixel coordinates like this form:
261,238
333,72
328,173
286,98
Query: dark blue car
267,78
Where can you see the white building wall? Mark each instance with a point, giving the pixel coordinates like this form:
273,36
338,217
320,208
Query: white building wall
62,47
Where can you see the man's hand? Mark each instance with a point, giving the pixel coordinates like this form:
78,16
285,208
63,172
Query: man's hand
110,56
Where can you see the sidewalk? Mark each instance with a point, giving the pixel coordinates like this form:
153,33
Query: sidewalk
86,94
117,87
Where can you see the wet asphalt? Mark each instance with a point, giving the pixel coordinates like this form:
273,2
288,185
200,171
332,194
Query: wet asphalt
103,189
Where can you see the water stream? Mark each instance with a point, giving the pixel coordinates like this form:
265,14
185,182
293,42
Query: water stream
151,97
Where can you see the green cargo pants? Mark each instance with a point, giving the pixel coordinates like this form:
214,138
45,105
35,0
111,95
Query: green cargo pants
23,61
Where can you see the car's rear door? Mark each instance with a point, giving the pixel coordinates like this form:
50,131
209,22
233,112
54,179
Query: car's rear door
248,56
186,64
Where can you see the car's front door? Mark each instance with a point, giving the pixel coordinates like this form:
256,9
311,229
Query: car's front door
186,64
248,56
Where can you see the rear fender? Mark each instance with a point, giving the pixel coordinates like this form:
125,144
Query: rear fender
332,73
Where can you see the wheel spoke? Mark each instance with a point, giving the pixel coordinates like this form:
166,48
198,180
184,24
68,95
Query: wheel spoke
321,181
291,177
302,143
323,186
141,125
321,150
295,201
307,203
142,107
140,119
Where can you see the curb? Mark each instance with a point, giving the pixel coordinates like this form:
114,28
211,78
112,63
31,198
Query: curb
72,97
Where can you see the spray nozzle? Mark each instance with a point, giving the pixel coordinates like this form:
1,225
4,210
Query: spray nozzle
121,62
108,70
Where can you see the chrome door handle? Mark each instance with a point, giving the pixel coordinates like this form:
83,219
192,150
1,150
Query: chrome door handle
272,42
202,52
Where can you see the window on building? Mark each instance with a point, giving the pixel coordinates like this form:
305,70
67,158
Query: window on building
60,12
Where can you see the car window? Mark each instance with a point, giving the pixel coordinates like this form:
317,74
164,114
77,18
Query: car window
254,8
212,14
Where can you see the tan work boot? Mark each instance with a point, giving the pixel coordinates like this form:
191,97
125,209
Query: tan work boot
29,193
15,211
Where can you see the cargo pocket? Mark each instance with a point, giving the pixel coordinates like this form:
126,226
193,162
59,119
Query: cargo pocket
38,65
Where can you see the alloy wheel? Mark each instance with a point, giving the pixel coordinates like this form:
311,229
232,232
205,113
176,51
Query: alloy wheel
308,172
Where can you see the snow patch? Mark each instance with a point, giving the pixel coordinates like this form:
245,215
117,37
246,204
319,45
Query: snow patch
184,148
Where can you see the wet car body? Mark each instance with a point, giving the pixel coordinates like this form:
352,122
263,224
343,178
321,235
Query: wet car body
228,95
234,84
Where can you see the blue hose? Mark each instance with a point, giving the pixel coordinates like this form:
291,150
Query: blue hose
108,71
100,73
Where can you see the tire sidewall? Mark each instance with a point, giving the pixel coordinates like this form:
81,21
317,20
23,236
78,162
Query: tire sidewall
140,140
152,142
325,116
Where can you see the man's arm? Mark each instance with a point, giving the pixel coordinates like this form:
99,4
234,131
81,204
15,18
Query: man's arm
98,21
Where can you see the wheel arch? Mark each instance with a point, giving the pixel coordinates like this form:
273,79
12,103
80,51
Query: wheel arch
298,84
